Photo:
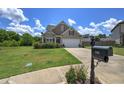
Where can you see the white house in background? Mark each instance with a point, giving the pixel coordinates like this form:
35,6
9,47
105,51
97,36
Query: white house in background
63,34
118,33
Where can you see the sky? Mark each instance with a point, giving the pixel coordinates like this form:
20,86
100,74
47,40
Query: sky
91,21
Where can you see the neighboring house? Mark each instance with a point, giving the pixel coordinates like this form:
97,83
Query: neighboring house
118,33
62,34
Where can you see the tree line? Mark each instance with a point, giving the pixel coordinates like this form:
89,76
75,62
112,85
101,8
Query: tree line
11,38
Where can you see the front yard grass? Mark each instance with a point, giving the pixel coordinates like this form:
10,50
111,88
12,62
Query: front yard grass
116,50
13,60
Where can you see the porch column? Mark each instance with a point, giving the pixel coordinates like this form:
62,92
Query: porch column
42,39
55,39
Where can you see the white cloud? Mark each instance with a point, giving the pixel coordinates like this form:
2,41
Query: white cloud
21,28
38,25
86,30
37,22
37,34
71,22
95,29
109,24
16,16
13,14
92,24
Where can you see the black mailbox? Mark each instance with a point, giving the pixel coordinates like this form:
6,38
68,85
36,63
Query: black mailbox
102,53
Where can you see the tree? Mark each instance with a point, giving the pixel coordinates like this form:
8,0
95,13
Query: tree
97,38
36,38
26,40
102,35
3,35
13,35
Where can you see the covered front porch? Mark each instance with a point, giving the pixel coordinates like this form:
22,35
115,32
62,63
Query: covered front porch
56,39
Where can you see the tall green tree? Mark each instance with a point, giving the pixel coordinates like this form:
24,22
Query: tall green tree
13,35
36,38
102,35
3,35
26,40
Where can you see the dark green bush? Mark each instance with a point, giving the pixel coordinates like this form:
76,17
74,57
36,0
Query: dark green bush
38,45
26,40
71,76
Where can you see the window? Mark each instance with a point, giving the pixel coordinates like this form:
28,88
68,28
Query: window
71,32
62,27
47,39
51,40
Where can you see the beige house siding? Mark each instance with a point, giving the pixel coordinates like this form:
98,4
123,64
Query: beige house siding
116,34
63,34
122,34
60,28
122,28
50,27
48,37
48,34
66,34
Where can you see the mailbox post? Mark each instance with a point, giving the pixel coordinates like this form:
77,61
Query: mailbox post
100,53
92,73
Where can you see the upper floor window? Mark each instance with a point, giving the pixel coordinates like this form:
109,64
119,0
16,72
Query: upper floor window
62,27
71,32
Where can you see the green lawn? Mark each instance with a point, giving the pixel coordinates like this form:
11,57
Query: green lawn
13,60
116,50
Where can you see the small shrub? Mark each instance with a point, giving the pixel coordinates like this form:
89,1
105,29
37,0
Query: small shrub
38,45
6,43
76,75
81,73
71,76
1,44
12,43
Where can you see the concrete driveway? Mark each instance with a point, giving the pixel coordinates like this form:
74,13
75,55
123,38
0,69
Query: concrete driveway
111,72
54,75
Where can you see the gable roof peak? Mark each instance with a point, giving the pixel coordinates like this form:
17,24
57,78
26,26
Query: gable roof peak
121,22
62,22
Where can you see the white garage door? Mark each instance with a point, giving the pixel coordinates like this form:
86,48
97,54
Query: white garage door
71,42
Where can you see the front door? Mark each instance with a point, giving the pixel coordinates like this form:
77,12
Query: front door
58,39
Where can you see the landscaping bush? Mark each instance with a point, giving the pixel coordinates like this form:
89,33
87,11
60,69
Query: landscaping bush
1,44
12,43
71,76
6,43
81,73
76,75
38,45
